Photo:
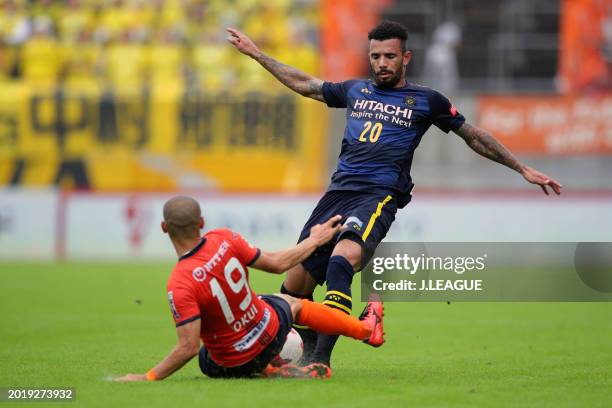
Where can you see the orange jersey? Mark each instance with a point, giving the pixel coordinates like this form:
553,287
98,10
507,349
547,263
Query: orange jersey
211,283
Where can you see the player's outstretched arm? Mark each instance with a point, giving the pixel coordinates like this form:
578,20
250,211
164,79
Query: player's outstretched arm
187,347
281,261
486,145
292,78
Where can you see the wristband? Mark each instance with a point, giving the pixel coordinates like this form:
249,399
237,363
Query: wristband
151,375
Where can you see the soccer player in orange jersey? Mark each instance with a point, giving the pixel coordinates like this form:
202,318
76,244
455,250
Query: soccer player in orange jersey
211,301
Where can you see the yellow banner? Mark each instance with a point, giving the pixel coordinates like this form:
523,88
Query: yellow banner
162,138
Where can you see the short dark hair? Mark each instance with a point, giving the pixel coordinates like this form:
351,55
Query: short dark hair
387,30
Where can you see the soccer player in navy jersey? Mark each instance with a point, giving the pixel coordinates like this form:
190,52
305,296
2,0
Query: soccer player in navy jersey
386,117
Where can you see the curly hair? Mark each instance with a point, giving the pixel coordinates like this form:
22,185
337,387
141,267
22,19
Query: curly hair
387,30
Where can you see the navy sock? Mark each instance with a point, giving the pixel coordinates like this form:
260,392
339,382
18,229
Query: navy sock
309,336
339,277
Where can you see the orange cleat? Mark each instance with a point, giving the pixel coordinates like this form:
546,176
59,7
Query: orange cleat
314,370
372,315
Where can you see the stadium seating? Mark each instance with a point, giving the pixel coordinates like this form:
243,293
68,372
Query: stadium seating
125,42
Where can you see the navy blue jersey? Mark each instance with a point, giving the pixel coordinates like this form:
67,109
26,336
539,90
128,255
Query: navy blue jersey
383,129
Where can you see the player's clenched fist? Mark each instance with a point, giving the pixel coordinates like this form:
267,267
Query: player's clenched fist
322,233
243,43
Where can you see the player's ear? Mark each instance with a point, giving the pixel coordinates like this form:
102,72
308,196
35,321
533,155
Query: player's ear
407,57
201,222
164,227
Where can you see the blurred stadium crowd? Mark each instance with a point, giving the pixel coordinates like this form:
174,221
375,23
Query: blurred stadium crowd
125,42
510,44
153,87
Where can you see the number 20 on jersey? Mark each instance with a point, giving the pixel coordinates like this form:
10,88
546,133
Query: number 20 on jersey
370,132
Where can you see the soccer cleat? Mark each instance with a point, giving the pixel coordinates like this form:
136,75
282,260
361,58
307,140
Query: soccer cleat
314,370
372,315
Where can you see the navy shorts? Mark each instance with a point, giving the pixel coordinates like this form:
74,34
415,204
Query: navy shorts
257,365
366,218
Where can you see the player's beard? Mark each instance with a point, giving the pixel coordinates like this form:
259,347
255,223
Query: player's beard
391,81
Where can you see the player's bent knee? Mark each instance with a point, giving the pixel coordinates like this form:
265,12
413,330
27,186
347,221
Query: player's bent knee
350,250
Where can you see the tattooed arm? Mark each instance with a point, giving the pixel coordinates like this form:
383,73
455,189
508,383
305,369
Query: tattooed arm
486,145
292,78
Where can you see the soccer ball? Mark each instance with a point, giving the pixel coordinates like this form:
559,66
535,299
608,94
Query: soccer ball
293,349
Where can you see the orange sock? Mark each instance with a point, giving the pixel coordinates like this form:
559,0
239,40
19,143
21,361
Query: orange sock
327,320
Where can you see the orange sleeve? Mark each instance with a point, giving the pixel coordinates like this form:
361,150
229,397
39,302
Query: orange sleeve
246,252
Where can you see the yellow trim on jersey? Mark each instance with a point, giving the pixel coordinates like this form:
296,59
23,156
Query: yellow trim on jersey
335,292
299,326
374,217
338,305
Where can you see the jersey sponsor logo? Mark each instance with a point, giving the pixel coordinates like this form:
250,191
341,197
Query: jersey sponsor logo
255,333
410,101
199,274
175,312
354,222
387,108
365,91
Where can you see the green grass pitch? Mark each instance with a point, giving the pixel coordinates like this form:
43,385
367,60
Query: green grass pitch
77,324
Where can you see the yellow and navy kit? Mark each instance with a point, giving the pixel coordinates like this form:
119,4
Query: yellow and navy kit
372,180
383,129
